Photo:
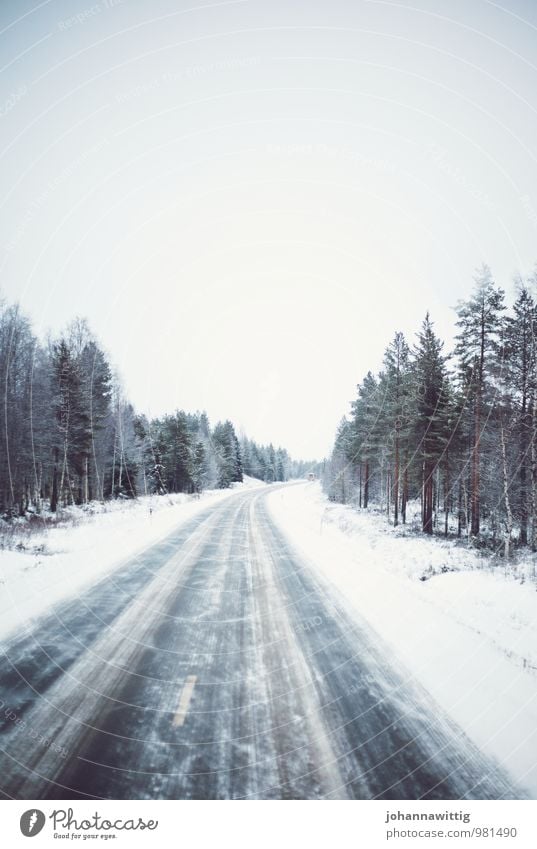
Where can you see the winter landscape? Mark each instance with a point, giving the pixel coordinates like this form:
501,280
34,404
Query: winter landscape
268,431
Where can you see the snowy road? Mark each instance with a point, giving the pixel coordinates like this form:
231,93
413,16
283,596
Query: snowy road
218,666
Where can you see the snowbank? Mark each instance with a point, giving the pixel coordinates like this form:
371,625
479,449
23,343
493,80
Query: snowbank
67,558
469,636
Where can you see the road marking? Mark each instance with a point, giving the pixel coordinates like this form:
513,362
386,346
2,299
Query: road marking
184,700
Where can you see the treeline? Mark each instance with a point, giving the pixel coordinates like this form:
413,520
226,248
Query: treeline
68,435
457,431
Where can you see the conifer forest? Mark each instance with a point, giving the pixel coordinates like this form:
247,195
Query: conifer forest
456,430
68,434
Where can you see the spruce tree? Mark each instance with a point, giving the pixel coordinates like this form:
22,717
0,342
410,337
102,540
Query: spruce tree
479,320
519,380
396,395
431,413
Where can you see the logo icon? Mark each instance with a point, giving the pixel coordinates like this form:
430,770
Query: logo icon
32,822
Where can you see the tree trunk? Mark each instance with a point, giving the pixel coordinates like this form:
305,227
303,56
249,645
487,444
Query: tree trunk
505,477
525,422
90,480
533,454
474,493
381,487
39,488
113,468
523,503
427,498
447,495
396,484
366,484
525,429
86,480
459,512
120,473
54,494
436,497
64,478
404,499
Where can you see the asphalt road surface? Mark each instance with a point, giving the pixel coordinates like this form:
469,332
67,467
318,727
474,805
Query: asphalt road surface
216,665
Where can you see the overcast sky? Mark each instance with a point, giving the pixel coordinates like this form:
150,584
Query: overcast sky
247,199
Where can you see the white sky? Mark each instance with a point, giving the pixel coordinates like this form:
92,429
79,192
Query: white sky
248,199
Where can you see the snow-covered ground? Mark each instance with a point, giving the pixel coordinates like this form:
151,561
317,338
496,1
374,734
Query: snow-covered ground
469,636
62,560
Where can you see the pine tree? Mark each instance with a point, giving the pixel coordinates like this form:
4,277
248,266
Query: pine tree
199,461
519,379
431,413
396,414
366,436
70,424
338,478
17,346
228,454
93,408
479,320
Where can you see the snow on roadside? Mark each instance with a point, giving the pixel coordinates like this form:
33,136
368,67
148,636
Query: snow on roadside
468,636
68,558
